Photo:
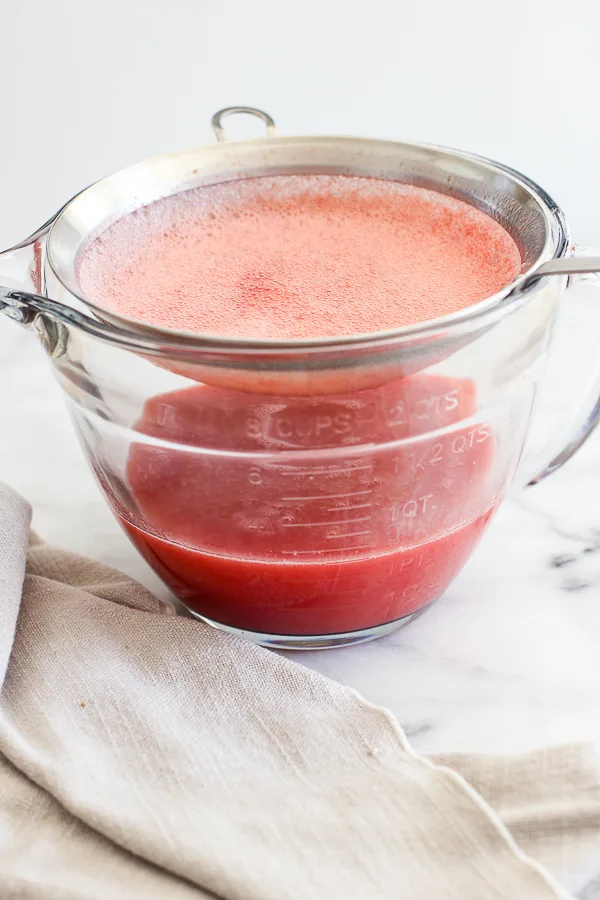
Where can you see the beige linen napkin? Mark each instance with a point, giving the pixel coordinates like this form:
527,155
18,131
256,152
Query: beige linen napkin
143,755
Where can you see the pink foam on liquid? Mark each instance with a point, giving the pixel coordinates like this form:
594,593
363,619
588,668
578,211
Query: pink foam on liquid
298,256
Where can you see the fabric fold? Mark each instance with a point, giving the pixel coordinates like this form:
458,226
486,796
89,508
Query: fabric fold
145,754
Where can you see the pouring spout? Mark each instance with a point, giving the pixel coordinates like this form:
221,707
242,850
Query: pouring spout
22,270
22,286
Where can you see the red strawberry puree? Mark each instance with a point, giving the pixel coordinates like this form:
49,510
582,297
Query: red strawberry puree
288,531
298,256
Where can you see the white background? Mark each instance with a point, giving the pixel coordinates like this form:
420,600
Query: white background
88,87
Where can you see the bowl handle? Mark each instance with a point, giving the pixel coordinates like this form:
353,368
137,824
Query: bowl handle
583,267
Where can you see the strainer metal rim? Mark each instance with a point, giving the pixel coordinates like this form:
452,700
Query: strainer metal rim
557,245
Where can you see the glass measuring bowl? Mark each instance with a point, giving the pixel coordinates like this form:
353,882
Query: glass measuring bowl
303,493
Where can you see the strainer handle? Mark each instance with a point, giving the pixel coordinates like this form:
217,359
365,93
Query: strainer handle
217,119
578,268
569,265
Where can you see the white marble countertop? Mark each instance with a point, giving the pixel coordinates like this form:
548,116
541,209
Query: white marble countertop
508,659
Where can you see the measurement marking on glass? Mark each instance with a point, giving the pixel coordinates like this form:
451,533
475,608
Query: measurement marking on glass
331,496
314,471
337,537
355,506
331,522
327,550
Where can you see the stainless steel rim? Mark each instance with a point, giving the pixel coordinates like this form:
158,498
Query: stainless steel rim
556,247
